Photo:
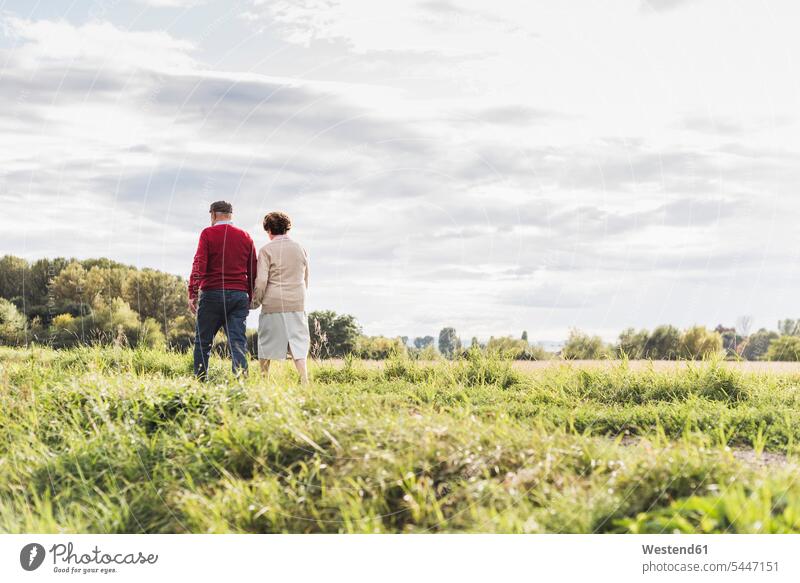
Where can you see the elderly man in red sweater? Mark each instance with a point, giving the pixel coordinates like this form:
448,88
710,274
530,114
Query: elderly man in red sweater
223,275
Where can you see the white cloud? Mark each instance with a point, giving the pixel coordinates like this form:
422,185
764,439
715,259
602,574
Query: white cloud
404,25
172,3
549,170
99,43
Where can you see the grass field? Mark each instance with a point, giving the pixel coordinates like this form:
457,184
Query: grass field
114,440
638,365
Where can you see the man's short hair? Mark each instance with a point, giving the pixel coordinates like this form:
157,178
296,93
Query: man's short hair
222,207
277,223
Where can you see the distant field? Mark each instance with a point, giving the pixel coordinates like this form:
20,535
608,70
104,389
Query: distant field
664,365
115,440
659,365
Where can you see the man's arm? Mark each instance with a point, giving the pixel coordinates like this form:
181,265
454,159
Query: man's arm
252,269
199,266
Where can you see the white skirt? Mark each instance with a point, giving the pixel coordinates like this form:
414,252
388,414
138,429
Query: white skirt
280,333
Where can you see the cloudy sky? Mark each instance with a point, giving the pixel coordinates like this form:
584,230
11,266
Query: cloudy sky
495,166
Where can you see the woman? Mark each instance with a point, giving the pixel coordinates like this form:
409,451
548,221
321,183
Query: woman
280,291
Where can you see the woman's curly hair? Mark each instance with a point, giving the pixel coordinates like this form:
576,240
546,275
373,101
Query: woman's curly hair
277,223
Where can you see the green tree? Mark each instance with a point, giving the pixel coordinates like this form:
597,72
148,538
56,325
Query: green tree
108,322
755,346
14,271
149,334
449,343
69,286
93,292
332,335
789,327
157,295
37,287
181,332
379,347
784,348
730,339
429,352
525,335
507,346
664,343
421,342
104,263
108,282
65,331
633,344
697,343
518,349
12,324
581,346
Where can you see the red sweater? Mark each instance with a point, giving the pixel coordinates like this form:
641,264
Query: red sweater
225,259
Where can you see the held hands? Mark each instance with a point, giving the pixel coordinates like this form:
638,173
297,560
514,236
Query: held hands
193,305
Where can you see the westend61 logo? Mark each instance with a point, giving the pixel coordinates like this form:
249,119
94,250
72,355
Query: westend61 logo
67,560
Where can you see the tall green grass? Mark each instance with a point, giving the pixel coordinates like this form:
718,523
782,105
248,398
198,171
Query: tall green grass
114,440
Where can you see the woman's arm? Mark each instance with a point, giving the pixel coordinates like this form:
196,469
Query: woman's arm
306,274
262,278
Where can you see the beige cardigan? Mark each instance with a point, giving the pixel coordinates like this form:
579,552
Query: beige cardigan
282,277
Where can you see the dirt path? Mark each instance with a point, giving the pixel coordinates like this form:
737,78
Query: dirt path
767,459
747,455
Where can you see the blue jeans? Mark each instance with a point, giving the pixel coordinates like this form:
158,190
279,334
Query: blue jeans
226,309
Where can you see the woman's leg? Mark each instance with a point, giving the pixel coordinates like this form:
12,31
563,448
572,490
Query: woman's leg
264,366
300,363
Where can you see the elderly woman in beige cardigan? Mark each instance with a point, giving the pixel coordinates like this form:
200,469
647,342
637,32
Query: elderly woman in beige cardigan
280,292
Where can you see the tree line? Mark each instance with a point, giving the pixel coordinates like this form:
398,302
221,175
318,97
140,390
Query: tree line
64,302
697,342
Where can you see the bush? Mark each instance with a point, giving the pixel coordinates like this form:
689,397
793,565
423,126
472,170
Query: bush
699,343
755,346
427,352
379,347
108,323
664,343
332,335
785,348
633,344
12,324
581,346
64,330
150,335
516,349
181,332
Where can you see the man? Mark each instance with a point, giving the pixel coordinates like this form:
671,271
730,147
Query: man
223,273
